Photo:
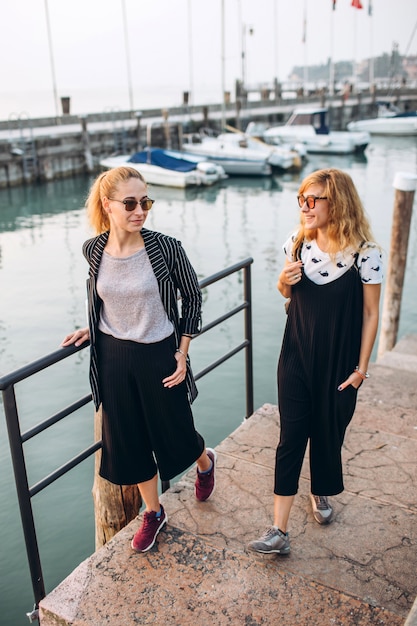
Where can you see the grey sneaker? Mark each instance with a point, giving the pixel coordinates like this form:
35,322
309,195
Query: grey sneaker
272,541
322,510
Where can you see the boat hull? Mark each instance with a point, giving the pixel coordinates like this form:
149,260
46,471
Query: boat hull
234,160
336,143
202,175
395,126
236,167
310,126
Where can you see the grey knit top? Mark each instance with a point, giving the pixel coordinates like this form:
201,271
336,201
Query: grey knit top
132,307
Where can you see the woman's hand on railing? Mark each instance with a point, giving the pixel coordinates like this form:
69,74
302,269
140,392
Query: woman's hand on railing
78,337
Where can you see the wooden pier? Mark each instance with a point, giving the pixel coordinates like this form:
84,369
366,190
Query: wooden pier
36,150
359,571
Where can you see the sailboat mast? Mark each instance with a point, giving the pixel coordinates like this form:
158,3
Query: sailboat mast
223,63
305,78
331,64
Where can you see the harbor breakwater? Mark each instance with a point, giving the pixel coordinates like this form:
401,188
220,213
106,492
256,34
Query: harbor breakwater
36,150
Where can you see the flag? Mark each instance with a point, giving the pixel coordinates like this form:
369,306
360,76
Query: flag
370,7
304,39
334,5
357,4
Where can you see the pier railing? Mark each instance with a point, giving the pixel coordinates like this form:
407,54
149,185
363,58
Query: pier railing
17,438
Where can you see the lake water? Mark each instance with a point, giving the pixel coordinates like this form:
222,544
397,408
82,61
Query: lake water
42,281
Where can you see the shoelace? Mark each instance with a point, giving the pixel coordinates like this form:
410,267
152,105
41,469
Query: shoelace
149,520
204,477
321,502
271,532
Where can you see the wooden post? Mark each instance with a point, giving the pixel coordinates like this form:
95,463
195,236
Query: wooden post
180,137
238,109
149,135
405,186
205,116
138,115
89,161
167,134
114,505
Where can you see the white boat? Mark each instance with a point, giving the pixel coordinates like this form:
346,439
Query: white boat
390,121
308,125
224,150
281,157
169,168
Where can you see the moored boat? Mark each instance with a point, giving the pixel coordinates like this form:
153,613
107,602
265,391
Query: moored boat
169,168
236,160
390,121
309,126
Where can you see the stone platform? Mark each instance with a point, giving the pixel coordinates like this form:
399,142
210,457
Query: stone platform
360,570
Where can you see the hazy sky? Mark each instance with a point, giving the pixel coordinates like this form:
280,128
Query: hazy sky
88,44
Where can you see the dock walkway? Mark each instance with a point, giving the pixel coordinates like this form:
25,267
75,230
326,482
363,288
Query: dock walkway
360,570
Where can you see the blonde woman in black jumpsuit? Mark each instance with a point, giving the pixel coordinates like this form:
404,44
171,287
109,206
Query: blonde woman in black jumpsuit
333,275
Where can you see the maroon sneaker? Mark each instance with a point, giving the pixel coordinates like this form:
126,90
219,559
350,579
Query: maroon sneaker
147,533
204,485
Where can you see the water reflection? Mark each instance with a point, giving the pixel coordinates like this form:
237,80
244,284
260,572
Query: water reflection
42,274
27,206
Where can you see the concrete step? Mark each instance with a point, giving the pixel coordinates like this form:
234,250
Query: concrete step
403,356
360,570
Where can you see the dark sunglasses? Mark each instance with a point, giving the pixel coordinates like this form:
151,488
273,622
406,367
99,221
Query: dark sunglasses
131,204
310,200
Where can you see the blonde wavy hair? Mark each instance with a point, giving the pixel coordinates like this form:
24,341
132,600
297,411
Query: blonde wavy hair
348,226
105,185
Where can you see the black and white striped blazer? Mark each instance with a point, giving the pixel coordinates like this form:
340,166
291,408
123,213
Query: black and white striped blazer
176,278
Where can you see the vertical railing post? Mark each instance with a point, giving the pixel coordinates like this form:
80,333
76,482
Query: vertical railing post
248,337
23,493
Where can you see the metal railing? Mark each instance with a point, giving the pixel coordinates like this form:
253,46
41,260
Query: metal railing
17,438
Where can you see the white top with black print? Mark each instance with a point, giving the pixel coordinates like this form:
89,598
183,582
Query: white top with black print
320,268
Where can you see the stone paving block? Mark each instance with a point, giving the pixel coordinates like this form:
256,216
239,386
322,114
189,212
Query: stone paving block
406,345
256,438
380,417
340,556
389,388
376,463
183,581
382,466
358,571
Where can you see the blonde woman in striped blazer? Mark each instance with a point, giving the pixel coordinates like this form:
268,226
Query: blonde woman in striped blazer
140,370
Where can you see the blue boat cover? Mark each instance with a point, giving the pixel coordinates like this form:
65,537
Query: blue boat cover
157,156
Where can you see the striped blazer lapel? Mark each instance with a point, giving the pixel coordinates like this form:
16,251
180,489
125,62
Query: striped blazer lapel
158,262
160,267
93,251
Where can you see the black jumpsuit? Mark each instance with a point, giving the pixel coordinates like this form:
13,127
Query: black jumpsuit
320,349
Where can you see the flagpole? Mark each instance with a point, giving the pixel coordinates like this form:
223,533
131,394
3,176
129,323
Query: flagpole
355,23
305,47
357,4
331,65
371,58
276,39
129,73
223,62
51,57
241,43
190,55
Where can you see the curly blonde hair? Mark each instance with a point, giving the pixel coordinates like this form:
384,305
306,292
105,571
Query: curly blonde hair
105,185
348,226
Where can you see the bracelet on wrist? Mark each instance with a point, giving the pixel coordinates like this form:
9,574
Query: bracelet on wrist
362,374
181,352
